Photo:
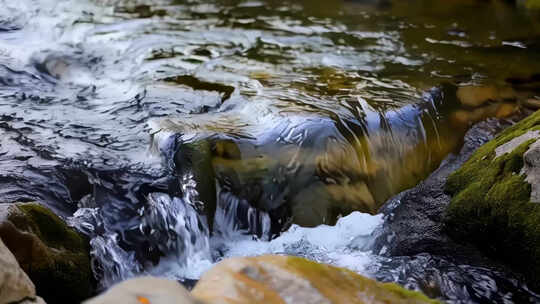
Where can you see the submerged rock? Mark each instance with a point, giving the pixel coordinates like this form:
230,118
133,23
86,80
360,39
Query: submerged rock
474,96
533,103
495,194
55,257
287,279
311,171
15,286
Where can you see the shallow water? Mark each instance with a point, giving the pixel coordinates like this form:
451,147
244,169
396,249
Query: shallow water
299,112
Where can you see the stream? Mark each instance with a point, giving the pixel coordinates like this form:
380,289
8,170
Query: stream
176,133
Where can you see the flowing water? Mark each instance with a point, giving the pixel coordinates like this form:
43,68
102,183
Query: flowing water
176,133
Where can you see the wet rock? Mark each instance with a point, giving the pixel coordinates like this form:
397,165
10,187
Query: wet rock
414,228
145,290
143,11
196,158
312,172
329,202
474,96
15,286
415,215
197,84
287,279
462,118
55,257
531,169
532,103
494,199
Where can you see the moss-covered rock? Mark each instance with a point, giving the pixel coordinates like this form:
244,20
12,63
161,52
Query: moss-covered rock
281,279
491,205
55,257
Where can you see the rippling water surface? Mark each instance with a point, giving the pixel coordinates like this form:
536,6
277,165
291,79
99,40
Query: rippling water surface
182,132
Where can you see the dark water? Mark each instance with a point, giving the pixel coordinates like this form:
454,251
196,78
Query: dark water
186,131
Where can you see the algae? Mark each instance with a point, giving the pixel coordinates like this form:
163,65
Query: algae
325,278
52,230
491,205
60,258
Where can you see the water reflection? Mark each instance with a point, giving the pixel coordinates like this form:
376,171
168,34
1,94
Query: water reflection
311,167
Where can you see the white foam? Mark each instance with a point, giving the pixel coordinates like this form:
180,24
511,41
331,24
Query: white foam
339,245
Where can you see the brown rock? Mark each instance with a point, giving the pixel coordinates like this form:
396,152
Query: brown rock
15,286
145,290
474,96
282,279
532,103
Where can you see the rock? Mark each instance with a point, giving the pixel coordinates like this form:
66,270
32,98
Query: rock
532,103
198,84
145,290
55,257
474,96
15,286
493,201
284,279
531,169
462,118
196,158
511,145
414,235
414,222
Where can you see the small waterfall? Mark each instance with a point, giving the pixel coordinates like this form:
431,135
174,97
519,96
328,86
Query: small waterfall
172,223
236,216
111,263
168,236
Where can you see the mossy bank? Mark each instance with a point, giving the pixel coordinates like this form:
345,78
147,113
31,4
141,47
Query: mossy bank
491,205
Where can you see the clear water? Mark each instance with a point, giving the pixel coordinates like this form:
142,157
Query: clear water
306,105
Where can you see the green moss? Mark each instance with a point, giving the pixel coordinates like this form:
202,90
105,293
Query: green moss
52,229
335,281
482,158
490,205
406,293
62,274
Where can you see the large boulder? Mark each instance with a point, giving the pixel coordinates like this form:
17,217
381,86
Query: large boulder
15,286
285,279
496,204
55,257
